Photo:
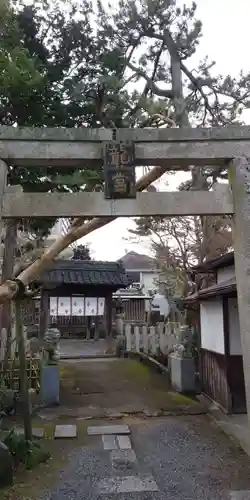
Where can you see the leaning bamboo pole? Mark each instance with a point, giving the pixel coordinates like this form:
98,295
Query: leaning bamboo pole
9,288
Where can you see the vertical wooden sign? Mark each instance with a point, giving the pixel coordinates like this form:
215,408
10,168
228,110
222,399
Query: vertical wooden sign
119,170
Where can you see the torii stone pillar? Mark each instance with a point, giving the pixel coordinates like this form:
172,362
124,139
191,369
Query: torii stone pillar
239,178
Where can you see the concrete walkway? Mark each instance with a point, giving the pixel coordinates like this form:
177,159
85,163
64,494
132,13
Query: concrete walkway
79,348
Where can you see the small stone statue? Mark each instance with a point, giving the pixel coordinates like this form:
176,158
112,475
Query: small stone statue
51,344
120,337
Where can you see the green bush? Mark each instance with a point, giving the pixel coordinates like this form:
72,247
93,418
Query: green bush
7,397
25,452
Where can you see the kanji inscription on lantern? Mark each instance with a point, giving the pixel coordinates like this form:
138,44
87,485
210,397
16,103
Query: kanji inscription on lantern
119,170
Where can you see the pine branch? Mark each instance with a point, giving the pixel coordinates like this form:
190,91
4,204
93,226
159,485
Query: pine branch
152,86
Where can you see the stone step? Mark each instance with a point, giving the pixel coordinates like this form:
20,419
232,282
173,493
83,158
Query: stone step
37,433
126,484
102,430
123,458
65,432
124,442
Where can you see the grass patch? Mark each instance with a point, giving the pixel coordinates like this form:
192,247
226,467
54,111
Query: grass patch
65,372
137,369
182,399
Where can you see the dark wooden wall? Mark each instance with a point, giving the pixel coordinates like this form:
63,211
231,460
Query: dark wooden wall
214,378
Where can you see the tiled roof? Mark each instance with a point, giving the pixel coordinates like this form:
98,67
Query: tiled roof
134,260
81,272
223,288
212,264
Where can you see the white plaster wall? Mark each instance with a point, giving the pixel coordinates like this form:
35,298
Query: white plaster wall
149,281
160,303
234,327
225,273
212,328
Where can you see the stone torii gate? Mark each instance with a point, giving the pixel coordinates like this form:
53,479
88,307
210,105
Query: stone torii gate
168,149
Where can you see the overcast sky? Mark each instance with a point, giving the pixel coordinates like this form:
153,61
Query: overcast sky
225,40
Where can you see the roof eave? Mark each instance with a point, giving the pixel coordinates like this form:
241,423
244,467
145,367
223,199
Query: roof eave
203,295
213,264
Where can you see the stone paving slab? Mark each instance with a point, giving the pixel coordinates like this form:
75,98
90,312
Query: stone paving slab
109,442
108,429
240,495
124,442
65,432
123,458
129,484
37,433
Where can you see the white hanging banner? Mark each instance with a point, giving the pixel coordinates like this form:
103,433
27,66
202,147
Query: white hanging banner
90,306
53,306
100,306
64,306
77,306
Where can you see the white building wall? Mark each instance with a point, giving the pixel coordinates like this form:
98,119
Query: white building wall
225,273
148,280
160,303
60,228
234,327
212,328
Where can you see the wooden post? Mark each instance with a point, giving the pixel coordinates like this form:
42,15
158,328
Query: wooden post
239,178
44,313
25,398
3,184
227,353
89,318
108,316
7,272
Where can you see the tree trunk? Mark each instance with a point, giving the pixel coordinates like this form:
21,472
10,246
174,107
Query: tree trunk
182,118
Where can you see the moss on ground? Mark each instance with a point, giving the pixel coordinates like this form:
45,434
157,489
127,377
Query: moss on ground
137,369
182,399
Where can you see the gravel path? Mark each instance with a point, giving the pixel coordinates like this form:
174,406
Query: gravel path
183,458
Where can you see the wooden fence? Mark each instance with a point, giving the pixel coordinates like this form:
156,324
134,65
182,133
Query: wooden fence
154,340
12,374
3,342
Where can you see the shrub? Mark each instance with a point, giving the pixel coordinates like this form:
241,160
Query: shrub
28,453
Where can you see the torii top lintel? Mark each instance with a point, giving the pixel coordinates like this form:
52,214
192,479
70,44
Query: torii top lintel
171,148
